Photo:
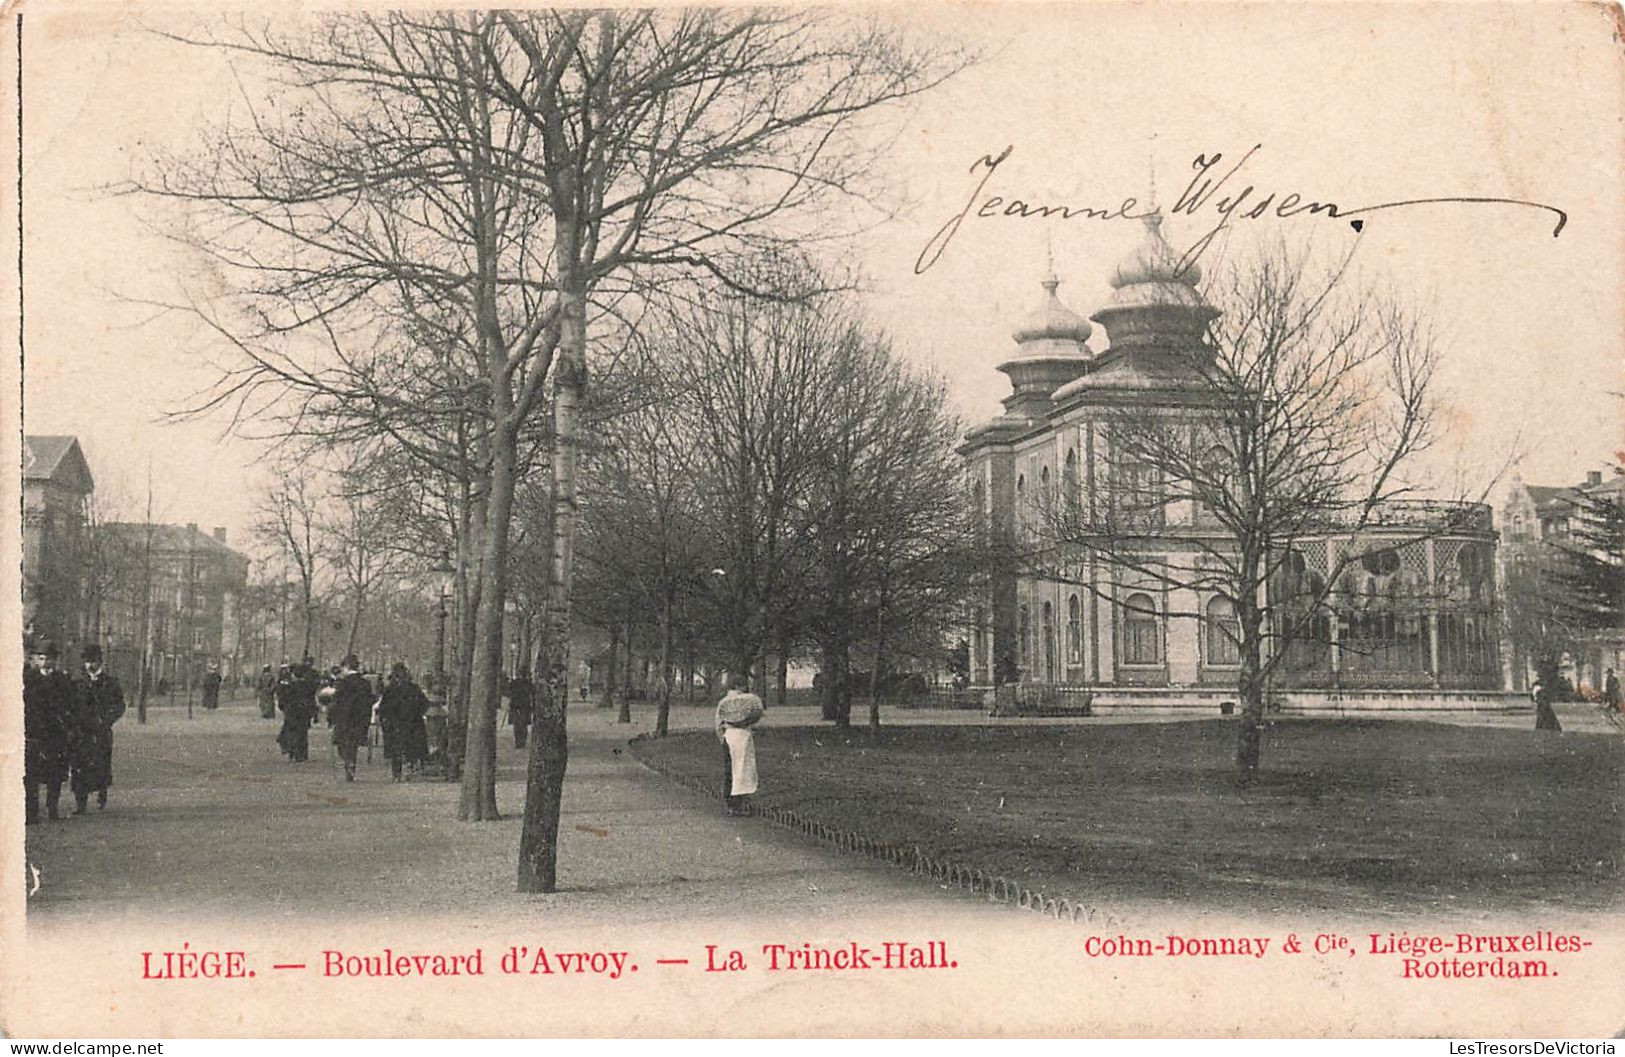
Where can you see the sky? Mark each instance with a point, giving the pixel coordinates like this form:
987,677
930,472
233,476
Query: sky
1349,103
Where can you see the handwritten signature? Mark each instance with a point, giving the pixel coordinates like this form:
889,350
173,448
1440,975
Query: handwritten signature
1201,195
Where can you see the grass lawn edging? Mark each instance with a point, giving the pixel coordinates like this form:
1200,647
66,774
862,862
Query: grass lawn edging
943,871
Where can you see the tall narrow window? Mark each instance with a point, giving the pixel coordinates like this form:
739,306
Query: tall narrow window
1072,498
1142,641
1074,631
1223,633
1049,643
1024,631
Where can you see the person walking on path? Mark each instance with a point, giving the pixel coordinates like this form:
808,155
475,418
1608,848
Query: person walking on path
521,699
265,692
350,714
48,730
1610,691
400,714
211,687
737,713
296,696
100,702
1545,715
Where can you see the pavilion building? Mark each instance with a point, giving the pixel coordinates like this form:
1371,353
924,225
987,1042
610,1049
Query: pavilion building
1411,625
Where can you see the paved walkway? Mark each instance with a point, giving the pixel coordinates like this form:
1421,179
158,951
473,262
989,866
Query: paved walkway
207,816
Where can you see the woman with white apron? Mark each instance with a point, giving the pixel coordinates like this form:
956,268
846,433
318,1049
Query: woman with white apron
737,712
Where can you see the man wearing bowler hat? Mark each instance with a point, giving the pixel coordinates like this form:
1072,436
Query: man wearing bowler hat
48,728
100,704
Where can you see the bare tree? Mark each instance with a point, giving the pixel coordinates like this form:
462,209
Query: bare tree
476,188
288,522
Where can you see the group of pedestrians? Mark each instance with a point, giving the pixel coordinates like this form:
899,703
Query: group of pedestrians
350,696
67,730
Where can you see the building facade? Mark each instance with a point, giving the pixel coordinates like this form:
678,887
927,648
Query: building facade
57,486
1414,615
174,596
1532,518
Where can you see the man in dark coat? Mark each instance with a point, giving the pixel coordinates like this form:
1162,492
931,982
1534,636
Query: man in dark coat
296,696
400,714
350,714
100,704
521,698
49,730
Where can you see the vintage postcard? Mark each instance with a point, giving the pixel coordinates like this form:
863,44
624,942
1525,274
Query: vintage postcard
998,519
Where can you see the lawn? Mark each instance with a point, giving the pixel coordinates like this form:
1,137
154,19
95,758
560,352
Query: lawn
1354,815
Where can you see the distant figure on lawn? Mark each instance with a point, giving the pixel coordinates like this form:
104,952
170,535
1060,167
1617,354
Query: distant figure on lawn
296,697
350,714
737,712
265,692
100,704
521,699
400,715
1545,715
1610,691
48,729
211,687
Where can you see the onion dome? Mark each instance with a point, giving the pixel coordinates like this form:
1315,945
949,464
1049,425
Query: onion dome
1154,299
1050,353
1053,321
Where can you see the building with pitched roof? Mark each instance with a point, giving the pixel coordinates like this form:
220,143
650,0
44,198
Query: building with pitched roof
57,486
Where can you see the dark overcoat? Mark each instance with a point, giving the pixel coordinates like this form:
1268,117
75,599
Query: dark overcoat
49,726
400,714
521,700
296,696
100,702
350,714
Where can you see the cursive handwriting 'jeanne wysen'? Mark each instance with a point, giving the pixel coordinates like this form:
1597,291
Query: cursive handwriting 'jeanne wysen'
1201,195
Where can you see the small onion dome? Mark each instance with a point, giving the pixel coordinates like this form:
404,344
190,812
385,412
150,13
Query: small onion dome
1053,321
1154,298
1154,261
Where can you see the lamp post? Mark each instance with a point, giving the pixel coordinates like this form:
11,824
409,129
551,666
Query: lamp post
444,571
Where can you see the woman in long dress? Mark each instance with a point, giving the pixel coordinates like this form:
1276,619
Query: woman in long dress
737,713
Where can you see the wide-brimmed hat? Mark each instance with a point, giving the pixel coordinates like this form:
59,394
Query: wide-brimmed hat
91,654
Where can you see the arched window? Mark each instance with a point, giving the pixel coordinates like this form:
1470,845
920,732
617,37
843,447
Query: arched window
1223,632
1072,497
1142,640
1022,517
1074,631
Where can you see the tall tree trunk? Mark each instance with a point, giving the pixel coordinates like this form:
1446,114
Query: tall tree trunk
663,713
689,664
471,590
355,622
479,799
782,675
625,715
549,751
880,662
1250,686
611,667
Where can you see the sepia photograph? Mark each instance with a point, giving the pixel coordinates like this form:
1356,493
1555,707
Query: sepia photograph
934,520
